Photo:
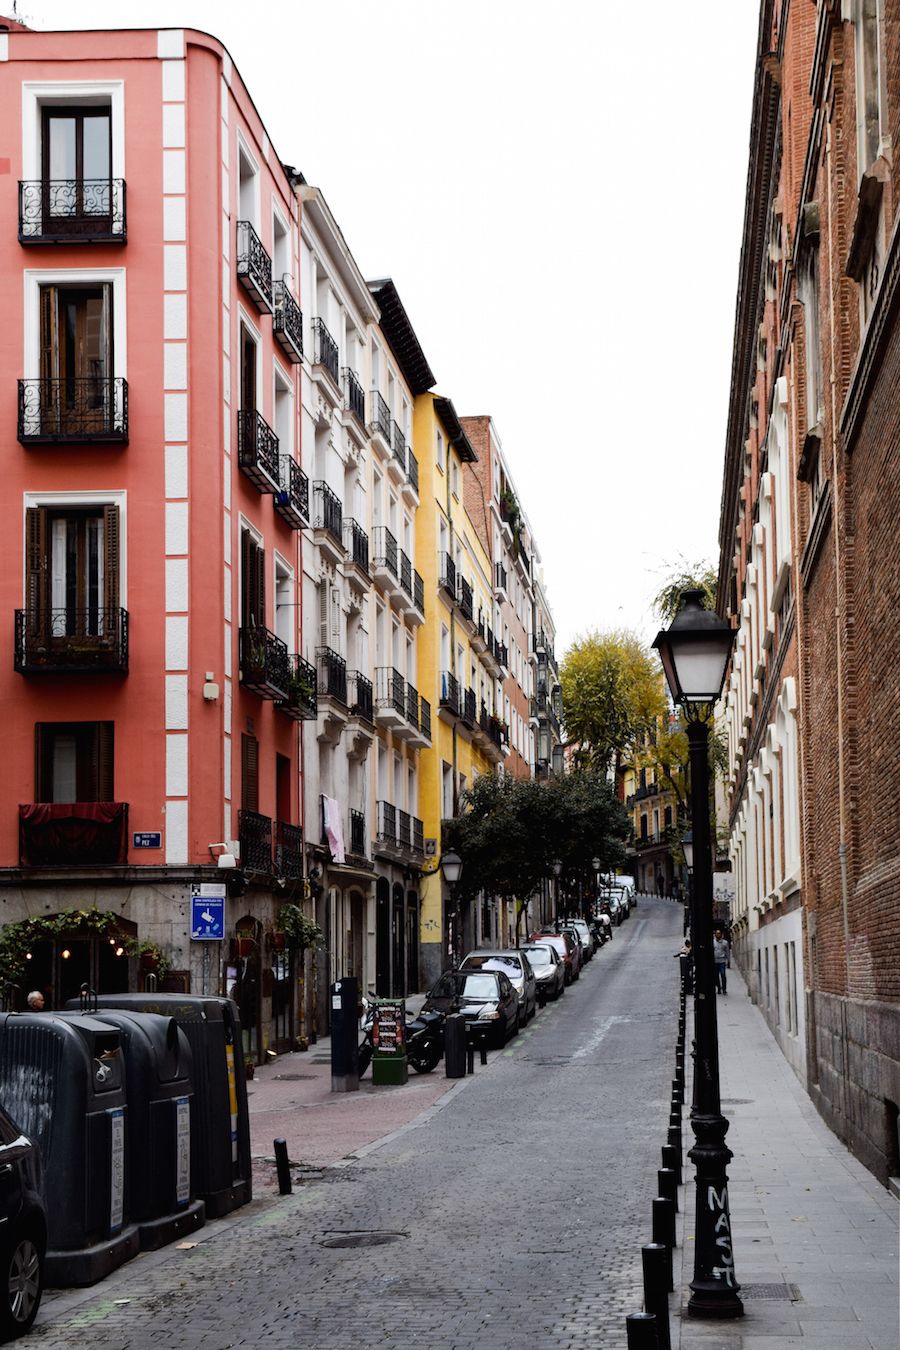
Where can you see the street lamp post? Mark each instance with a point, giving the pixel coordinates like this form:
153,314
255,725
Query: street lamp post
694,652
687,845
597,866
451,867
557,873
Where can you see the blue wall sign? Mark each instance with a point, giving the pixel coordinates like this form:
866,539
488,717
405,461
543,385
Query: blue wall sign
208,912
147,839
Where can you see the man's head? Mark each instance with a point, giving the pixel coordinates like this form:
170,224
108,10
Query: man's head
718,932
36,1000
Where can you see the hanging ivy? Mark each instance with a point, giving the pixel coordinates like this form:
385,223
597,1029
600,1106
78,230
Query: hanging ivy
300,932
18,939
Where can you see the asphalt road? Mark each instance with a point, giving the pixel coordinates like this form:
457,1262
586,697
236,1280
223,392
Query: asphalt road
515,1212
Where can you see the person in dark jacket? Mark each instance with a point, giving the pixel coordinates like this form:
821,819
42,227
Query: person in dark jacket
722,958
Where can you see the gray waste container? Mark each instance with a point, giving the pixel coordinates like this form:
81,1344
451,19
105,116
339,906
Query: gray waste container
220,1143
63,1080
161,1111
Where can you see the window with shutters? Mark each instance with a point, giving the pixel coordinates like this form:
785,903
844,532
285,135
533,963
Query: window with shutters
253,581
249,773
74,762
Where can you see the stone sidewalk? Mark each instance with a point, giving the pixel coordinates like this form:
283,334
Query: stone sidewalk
815,1235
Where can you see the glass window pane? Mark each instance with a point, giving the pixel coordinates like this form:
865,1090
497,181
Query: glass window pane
62,147
96,146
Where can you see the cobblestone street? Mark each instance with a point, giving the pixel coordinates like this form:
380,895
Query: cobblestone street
519,1204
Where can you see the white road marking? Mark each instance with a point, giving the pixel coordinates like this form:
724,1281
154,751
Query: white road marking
597,1036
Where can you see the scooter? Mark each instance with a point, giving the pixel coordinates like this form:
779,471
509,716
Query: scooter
424,1036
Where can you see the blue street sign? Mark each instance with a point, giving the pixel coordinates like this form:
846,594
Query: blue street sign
208,912
147,839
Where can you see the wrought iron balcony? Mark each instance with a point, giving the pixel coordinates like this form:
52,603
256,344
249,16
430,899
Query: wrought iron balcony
84,410
254,267
292,498
356,542
379,417
328,513
354,398
447,573
71,641
406,574
418,837
542,643
419,593
412,706
73,834
301,702
387,822
287,323
450,698
425,717
72,211
470,708
359,693
412,469
390,692
501,653
464,597
288,851
386,554
255,834
358,845
265,664
326,351
398,447
404,830
332,675
501,580
258,455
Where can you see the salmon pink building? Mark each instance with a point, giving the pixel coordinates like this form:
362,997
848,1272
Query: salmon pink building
150,519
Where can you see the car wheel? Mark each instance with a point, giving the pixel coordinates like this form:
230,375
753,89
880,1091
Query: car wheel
23,1283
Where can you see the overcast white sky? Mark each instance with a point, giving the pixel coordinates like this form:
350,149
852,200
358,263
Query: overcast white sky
557,189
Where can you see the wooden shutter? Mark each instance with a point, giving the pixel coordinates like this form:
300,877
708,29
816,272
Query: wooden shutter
246,578
37,562
249,773
49,333
111,555
323,613
260,565
105,785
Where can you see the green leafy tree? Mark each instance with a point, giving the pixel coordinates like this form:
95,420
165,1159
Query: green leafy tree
612,696
680,577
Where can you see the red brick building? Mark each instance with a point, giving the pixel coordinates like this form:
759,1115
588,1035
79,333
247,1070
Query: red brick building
808,560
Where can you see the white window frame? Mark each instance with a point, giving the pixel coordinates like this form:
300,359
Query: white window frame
284,225
244,317
280,377
36,277
244,148
282,569
64,501
40,94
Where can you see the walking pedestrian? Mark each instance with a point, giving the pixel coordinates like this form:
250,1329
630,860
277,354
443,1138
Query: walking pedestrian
722,958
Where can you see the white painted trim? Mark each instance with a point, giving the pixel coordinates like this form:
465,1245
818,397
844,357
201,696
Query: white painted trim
114,497
39,93
170,44
255,166
176,833
35,277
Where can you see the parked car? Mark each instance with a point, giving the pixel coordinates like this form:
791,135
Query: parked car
485,998
549,970
575,938
23,1231
613,899
566,948
517,970
584,933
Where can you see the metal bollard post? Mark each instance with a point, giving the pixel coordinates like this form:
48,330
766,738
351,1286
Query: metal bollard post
673,1137
282,1167
470,1058
664,1232
674,1118
671,1158
642,1332
656,1296
667,1187
677,1094
455,1035
482,1050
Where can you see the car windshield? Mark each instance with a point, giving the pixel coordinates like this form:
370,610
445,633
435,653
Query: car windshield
539,956
479,986
510,965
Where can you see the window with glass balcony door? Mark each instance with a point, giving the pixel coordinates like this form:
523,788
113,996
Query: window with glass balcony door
76,359
76,167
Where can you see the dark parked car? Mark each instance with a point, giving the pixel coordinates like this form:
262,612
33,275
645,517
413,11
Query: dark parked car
549,970
23,1231
566,948
516,970
485,998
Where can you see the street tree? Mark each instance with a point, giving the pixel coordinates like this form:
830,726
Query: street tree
612,696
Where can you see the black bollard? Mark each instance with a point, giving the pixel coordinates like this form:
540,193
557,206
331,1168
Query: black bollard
455,1046
641,1330
674,1137
674,1118
470,1058
482,1048
664,1232
656,1296
677,1092
671,1158
667,1187
282,1167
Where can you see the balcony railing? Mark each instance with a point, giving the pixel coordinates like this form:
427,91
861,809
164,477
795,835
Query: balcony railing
406,573
390,689
450,692
447,573
332,675
386,553
359,695
501,653
412,706
418,837
380,417
72,211
404,830
301,702
419,593
265,663
73,834
425,717
387,822
288,851
464,597
501,580
255,834
254,266
292,498
258,456
398,446
84,409
354,398
358,845
71,641
328,513
287,324
356,542
412,469
326,350
470,708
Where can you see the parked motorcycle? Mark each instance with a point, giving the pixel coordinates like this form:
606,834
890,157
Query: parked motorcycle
423,1034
